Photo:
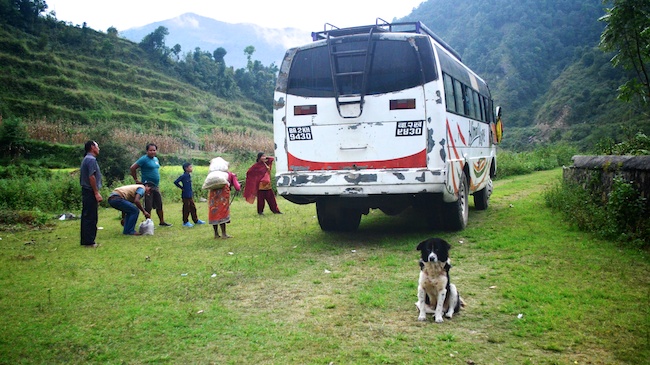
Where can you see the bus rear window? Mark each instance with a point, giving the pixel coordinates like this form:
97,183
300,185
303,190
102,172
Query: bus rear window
394,66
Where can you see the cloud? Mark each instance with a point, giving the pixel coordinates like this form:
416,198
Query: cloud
287,38
186,21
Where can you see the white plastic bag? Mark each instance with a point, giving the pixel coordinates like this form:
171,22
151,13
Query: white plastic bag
216,180
218,164
146,227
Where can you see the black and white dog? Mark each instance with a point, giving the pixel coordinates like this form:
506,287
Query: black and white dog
436,293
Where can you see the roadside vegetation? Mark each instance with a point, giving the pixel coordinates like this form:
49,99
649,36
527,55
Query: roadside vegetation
622,216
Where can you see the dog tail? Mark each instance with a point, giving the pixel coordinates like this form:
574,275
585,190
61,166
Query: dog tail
461,301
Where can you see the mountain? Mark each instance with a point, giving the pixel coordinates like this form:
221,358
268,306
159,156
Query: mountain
539,57
191,31
541,61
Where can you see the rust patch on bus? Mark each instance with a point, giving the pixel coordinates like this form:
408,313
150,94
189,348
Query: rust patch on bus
278,104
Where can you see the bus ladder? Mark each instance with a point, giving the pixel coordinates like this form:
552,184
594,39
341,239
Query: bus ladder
338,76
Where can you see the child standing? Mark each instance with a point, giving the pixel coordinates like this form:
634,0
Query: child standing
184,182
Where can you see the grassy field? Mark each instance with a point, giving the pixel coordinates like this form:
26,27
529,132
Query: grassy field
283,292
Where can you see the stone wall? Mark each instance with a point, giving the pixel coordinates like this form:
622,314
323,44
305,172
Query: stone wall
594,170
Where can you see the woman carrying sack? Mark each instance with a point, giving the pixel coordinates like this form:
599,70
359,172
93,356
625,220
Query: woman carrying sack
219,196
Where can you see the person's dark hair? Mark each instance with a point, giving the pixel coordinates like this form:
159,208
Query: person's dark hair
186,165
149,145
149,184
89,145
259,155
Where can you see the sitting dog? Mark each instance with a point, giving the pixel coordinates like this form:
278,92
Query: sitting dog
436,293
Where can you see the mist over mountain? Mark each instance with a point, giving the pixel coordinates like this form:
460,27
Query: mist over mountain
192,31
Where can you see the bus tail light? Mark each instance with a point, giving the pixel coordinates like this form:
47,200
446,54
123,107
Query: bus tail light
402,104
305,110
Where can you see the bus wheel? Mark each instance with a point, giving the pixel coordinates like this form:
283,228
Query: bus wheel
326,215
430,207
482,197
348,220
457,212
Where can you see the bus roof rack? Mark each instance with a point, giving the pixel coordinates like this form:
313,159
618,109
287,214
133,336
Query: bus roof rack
382,26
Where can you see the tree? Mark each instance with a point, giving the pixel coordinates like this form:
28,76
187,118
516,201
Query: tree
256,81
22,13
219,54
249,55
13,138
154,44
627,34
176,50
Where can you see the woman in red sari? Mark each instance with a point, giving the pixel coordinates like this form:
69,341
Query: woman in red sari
258,184
219,206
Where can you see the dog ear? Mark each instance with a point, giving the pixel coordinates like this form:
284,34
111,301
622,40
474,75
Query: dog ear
445,244
421,245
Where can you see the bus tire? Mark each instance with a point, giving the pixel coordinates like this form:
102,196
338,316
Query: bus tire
482,197
457,212
430,208
348,220
326,215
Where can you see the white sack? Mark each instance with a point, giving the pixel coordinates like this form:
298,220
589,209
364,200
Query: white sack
216,180
218,164
146,227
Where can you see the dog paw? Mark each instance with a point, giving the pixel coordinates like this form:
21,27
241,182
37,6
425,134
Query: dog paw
422,318
439,320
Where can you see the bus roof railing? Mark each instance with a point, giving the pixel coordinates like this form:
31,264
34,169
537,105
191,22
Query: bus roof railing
382,26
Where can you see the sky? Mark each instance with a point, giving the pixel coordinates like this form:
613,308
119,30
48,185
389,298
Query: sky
301,14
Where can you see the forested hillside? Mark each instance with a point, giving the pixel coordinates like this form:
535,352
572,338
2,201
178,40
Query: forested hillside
540,58
541,61
65,83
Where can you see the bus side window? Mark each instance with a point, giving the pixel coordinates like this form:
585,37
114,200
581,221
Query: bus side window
486,109
490,111
477,107
449,93
458,93
469,104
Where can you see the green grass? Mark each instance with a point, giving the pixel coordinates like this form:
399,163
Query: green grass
283,292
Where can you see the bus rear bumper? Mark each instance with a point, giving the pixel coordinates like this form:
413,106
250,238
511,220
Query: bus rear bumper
361,183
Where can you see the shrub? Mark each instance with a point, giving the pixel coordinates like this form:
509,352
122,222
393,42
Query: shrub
13,137
621,217
32,218
22,170
114,160
540,159
637,145
60,192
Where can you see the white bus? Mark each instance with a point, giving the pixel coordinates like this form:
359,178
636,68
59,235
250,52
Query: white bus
387,117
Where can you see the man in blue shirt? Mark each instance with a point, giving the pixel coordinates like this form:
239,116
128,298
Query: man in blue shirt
149,166
90,179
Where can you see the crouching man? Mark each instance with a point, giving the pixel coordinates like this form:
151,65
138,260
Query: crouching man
127,200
